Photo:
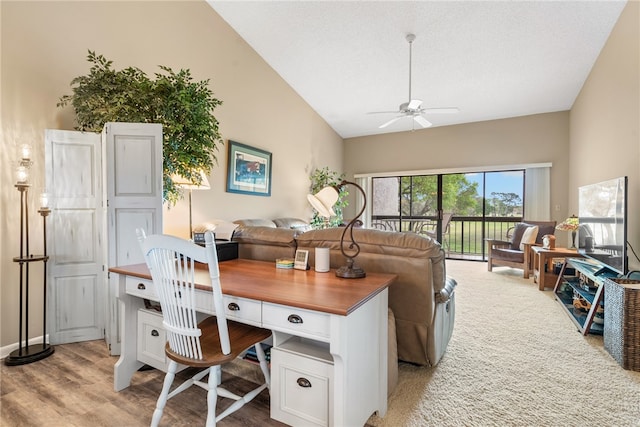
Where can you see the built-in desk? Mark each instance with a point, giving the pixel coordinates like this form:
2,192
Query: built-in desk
316,319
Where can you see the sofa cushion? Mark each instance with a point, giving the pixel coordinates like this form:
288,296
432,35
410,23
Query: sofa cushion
265,243
293,223
507,254
255,222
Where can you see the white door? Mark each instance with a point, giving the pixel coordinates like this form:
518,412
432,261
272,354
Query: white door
134,200
76,243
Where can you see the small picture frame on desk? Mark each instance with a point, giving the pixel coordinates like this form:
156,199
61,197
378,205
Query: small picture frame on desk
301,261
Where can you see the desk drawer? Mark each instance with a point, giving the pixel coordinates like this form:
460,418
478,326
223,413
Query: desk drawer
151,340
142,288
243,310
297,321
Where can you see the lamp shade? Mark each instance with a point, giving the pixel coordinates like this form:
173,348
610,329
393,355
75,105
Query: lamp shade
323,201
186,183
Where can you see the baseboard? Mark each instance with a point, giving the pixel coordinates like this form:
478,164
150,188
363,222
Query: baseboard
7,349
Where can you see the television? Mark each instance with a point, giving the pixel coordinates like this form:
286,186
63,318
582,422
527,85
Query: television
602,218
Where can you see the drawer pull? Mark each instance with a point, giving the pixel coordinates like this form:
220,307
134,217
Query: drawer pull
233,306
303,382
141,286
294,318
155,333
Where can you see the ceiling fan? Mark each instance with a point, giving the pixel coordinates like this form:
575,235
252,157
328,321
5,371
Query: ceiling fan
413,108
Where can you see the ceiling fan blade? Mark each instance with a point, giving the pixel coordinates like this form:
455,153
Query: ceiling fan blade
414,104
384,125
446,110
383,112
422,121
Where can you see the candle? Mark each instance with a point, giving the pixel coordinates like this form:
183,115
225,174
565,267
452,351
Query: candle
44,200
26,151
22,175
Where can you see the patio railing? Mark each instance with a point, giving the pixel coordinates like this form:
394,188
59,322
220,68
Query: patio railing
465,237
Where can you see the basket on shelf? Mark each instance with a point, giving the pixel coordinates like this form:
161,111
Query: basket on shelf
622,321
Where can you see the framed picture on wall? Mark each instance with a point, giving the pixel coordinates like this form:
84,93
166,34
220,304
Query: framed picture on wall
249,170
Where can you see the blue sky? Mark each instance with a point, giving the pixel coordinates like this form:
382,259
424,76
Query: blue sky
502,182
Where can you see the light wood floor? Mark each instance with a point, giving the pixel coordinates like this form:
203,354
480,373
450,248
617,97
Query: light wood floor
74,387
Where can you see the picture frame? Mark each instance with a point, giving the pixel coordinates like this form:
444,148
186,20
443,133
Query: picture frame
301,261
248,170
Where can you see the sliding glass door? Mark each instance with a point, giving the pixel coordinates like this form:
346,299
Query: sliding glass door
460,210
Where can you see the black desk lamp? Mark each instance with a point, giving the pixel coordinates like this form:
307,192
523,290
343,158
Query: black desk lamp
323,202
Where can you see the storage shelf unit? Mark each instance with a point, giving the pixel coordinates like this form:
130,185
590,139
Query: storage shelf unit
587,285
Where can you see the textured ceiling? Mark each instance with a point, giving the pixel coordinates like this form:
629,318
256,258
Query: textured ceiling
492,60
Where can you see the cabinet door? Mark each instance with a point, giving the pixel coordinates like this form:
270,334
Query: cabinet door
134,200
75,282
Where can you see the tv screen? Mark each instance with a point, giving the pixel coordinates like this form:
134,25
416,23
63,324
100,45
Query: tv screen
602,232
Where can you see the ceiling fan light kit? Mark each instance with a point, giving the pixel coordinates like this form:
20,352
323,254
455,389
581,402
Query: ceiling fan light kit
413,108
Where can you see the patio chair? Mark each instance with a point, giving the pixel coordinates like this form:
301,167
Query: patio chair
433,233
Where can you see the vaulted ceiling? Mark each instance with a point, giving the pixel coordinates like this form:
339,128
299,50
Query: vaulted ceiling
490,59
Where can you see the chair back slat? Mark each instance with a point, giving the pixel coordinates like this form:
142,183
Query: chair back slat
172,263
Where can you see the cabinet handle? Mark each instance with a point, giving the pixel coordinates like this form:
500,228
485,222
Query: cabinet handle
155,333
141,286
294,318
233,306
303,382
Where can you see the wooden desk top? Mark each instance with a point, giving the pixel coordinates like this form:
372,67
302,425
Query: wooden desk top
259,280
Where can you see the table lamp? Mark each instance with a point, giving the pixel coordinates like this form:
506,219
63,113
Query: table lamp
191,185
570,224
323,202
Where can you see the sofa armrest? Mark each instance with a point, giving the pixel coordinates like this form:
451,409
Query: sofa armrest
491,243
445,293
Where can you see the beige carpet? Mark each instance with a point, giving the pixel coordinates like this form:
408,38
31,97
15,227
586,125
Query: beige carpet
515,359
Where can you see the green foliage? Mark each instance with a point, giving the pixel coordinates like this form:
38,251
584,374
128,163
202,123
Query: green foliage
321,178
183,107
504,204
419,195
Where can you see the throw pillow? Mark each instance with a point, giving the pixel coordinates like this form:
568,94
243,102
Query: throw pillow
516,235
529,236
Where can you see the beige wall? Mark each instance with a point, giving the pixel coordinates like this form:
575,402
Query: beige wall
605,121
44,46
531,139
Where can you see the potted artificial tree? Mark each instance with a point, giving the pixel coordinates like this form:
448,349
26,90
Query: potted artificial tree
183,107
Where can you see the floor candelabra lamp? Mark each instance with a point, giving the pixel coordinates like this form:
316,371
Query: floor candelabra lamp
188,184
29,353
323,202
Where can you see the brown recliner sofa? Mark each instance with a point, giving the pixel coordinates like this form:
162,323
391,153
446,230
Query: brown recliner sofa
422,298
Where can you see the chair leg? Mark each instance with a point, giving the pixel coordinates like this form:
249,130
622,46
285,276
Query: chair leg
212,396
162,399
263,364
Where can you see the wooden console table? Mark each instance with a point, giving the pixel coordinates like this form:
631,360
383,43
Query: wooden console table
338,326
543,266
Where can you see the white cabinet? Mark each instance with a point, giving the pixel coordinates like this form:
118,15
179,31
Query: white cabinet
302,377
102,187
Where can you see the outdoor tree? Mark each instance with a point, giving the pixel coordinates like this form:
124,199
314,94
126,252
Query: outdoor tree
505,204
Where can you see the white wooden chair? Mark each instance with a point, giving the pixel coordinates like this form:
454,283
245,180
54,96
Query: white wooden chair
208,344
